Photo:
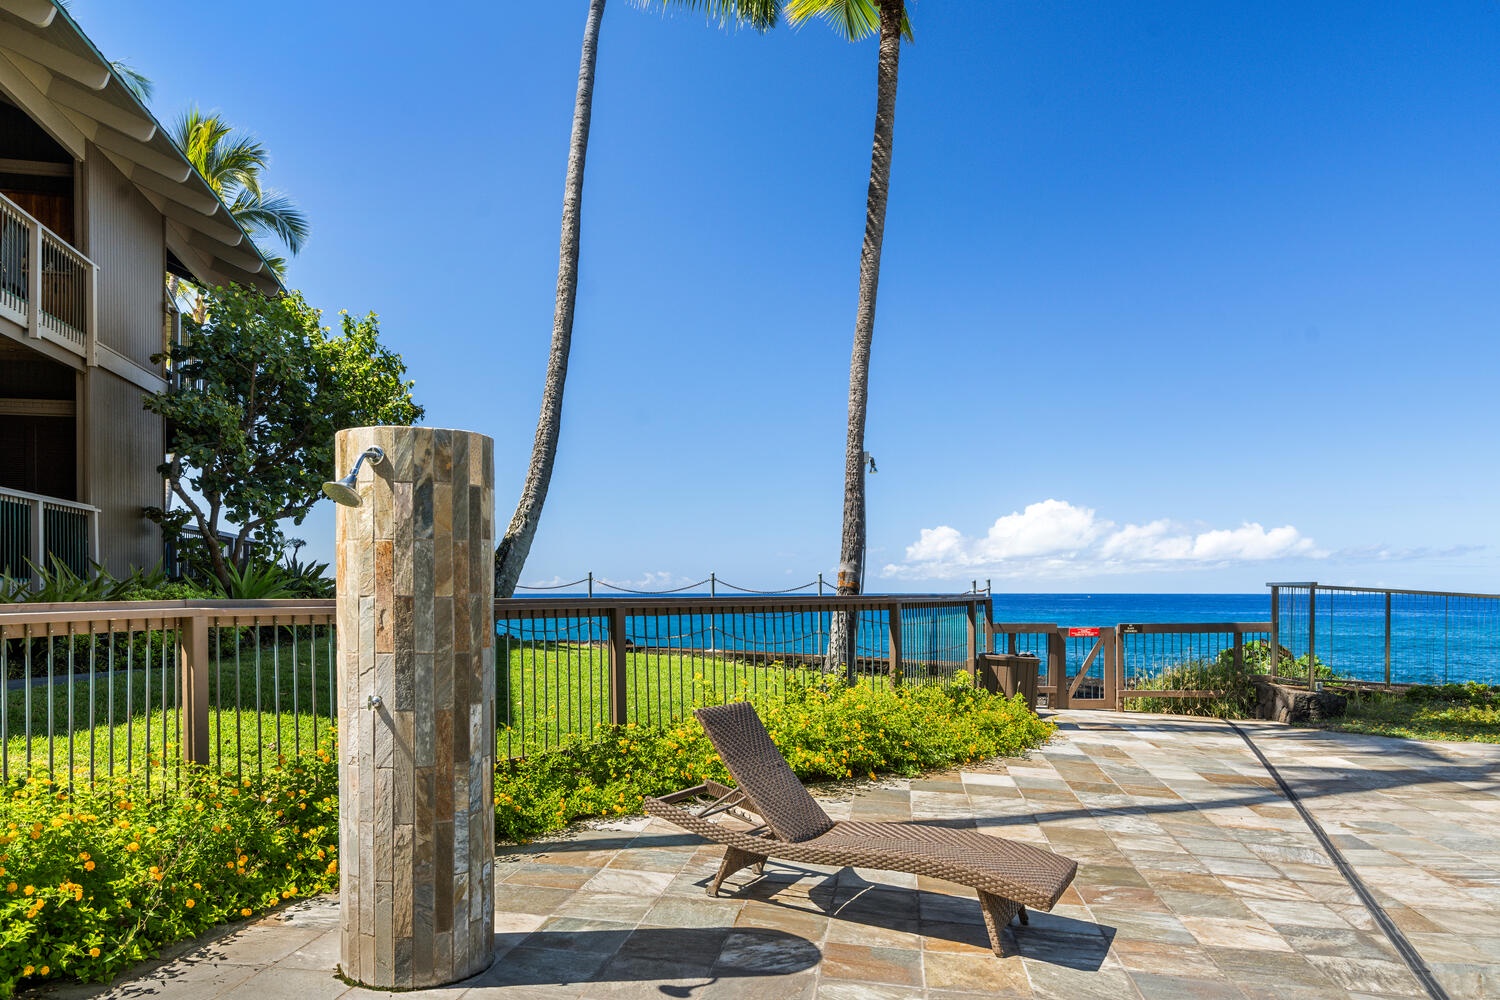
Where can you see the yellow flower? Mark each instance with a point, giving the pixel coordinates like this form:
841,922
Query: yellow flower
44,970
88,866
132,847
30,890
245,912
93,952
28,970
189,904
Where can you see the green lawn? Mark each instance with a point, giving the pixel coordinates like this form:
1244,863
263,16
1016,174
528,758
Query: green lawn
264,700
115,721
1459,719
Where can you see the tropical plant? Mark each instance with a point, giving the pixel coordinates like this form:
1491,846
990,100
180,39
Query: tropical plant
263,388
307,579
232,165
255,581
515,544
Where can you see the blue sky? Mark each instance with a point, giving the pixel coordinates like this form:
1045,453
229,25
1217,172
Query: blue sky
1175,297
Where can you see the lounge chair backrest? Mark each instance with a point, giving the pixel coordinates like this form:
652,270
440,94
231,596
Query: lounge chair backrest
762,773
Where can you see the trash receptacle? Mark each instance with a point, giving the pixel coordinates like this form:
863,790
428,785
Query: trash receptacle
1010,673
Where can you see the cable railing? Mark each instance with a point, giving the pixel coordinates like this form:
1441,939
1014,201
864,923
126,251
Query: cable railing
567,665
95,690
708,586
1385,636
1111,666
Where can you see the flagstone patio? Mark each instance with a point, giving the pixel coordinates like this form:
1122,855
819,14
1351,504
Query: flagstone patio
1197,879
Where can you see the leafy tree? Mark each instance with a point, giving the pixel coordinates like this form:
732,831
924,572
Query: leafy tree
261,389
232,164
515,545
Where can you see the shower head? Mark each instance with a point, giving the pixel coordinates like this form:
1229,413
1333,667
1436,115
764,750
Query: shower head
342,491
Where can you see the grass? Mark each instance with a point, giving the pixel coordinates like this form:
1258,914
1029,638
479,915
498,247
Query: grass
551,691
1464,713
554,690
116,721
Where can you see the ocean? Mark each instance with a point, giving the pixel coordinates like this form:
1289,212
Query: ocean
1431,641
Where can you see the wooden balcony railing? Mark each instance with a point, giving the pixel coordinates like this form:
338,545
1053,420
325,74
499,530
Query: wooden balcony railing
39,531
46,285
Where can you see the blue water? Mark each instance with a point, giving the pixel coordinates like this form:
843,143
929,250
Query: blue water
1431,642
1085,610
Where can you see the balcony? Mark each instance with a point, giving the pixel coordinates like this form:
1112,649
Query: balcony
46,286
41,531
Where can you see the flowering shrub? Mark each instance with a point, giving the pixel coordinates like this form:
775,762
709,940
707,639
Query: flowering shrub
102,877
826,729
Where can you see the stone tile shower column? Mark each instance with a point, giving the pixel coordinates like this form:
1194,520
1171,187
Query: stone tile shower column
416,707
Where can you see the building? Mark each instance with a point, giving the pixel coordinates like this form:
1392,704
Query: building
97,207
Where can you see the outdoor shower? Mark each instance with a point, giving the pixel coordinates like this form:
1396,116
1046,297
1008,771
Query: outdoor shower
342,490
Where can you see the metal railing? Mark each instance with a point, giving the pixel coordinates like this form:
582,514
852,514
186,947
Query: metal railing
1385,636
567,666
94,690
40,531
143,687
1109,666
1192,660
46,285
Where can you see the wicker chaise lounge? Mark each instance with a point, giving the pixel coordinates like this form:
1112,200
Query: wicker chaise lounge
1008,875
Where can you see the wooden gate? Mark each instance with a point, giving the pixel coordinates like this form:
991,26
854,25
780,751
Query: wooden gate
1090,669
1078,668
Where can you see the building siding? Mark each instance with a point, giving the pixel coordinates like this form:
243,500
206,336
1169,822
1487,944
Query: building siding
123,446
126,238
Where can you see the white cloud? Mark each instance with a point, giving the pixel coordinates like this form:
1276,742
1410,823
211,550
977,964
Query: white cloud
1055,538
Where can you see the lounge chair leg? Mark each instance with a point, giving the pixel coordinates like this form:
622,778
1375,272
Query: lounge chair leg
1022,914
734,860
998,912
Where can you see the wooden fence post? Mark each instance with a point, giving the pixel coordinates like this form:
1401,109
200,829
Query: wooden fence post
1057,666
973,646
893,643
192,651
617,654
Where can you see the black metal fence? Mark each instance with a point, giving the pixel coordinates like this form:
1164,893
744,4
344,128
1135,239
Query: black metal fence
95,690
1385,635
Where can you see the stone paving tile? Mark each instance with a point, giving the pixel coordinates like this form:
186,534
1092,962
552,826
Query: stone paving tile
1196,880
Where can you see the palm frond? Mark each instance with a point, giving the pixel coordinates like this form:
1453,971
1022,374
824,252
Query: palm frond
274,213
853,19
761,15
137,82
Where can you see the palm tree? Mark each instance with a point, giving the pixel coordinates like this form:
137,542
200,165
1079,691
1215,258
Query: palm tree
857,19
515,546
232,165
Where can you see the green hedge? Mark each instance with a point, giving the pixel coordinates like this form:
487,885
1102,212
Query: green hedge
826,730
96,880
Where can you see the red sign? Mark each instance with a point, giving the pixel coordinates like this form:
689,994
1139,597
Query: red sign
1083,633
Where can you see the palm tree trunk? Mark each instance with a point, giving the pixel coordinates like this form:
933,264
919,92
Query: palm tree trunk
513,549
852,542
